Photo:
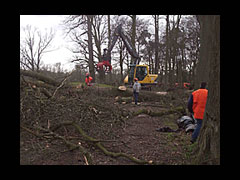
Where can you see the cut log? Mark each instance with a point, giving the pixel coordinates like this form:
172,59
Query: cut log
120,99
122,88
161,93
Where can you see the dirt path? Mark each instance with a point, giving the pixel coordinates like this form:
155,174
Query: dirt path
142,141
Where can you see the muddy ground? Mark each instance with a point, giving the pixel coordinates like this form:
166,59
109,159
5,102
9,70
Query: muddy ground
119,127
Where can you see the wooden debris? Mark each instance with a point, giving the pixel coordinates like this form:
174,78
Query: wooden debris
122,88
161,93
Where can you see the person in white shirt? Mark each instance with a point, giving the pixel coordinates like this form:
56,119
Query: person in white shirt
136,89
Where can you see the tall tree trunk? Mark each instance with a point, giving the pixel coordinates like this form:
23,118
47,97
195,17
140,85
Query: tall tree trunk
121,60
175,48
109,31
167,48
134,18
156,19
90,46
109,42
209,139
203,64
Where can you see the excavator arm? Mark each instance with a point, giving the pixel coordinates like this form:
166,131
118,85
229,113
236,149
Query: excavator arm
107,56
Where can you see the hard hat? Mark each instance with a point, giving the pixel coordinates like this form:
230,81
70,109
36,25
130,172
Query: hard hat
136,79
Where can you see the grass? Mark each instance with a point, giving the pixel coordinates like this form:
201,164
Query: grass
189,152
75,83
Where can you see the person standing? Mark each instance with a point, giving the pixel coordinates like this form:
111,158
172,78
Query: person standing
88,79
136,89
196,105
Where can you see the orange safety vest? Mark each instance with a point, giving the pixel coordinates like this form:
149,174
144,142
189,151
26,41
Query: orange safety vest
88,80
186,85
199,102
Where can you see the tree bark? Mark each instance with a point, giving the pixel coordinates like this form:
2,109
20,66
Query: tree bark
167,52
203,64
209,139
90,46
156,19
109,42
134,18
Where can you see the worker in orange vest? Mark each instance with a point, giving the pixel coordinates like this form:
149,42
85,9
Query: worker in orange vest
88,79
196,105
186,85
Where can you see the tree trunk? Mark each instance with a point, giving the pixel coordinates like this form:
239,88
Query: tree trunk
209,139
203,64
167,52
134,17
90,46
109,42
121,59
156,19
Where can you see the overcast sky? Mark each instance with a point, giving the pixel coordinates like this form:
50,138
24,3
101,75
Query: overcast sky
45,23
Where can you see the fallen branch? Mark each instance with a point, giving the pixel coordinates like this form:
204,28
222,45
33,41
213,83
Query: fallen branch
105,151
96,142
119,154
45,92
62,83
70,145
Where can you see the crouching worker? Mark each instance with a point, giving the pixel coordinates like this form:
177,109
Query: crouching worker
88,79
136,89
196,105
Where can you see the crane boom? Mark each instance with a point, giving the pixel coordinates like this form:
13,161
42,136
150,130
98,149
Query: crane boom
118,32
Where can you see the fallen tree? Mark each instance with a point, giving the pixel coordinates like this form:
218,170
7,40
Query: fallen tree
40,77
47,81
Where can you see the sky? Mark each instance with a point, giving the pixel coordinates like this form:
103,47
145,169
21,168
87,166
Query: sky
60,42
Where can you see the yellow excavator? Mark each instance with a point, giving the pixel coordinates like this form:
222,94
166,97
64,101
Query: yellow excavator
142,73
136,71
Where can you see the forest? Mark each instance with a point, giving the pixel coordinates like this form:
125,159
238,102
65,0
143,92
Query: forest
66,121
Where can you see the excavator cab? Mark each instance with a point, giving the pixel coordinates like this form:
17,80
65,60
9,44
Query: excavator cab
142,73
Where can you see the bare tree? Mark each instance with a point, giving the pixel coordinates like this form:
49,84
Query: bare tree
156,25
32,48
89,32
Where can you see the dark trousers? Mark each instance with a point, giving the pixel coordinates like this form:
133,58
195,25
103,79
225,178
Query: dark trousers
197,130
135,94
